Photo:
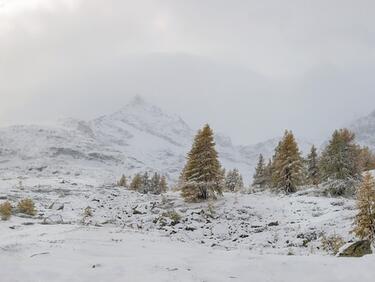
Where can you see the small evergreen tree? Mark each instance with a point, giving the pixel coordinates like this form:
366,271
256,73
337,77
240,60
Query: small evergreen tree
233,181
155,184
313,176
287,166
123,182
136,183
259,178
364,224
202,174
146,183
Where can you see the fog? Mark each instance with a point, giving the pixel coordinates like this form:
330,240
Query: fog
249,68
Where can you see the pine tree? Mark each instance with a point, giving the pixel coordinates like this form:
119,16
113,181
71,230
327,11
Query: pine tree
202,174
233,180
341,158
313,175
146,183
136,183
259,178
287,165
364,223
123,182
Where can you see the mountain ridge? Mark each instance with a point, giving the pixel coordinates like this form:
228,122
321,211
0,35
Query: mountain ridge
139,136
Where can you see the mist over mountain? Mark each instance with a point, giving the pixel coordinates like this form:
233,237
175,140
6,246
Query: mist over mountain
140,136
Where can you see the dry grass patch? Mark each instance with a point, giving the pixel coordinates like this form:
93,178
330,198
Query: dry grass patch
5,210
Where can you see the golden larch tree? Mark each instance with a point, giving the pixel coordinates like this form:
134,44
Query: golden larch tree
364,223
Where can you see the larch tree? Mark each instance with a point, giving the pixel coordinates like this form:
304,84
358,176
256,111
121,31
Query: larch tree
341,158
364,223
202,175
136,183
367,159
260,177
313,175
287,166
123,182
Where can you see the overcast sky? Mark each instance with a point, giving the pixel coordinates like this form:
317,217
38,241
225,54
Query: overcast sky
250,68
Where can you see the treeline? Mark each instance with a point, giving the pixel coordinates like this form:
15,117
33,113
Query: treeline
338,168
144,183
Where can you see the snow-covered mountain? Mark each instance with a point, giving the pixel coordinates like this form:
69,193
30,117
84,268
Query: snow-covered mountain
138,137
364,129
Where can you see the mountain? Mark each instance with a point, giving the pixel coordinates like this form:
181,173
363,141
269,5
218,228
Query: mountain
364,129
138,137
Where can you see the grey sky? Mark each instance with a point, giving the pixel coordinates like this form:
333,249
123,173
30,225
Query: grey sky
251,68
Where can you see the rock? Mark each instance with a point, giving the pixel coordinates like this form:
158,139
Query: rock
357,249
274,223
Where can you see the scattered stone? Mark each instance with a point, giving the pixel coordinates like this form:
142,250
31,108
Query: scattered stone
357,249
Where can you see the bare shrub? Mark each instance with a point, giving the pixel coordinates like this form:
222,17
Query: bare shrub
26,206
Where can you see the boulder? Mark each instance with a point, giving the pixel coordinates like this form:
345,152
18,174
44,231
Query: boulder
357,249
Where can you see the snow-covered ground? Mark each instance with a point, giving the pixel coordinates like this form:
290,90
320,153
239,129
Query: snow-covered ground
135,237
78,253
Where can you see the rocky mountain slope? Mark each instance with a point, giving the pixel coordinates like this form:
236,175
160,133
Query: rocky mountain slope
138,137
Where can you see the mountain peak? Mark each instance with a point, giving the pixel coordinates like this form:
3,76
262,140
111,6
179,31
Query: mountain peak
137,100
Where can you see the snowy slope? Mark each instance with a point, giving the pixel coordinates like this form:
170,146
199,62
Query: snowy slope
241,237
71,253
364,128
140,136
